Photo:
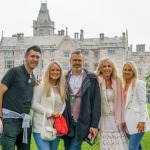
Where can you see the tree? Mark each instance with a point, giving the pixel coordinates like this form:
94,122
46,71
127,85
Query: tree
147,77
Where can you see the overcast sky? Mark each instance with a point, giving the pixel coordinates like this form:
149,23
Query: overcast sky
111,17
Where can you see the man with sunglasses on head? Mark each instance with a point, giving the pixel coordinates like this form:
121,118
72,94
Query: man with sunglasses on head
16,91
83,105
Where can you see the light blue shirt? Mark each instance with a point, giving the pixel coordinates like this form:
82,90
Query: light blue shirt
76,82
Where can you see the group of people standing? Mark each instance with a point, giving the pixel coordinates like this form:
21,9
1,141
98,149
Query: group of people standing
99,102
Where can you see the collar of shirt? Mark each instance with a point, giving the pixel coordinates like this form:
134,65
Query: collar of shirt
25,70
76,82
79,74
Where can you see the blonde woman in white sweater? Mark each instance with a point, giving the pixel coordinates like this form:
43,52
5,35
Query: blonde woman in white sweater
49,95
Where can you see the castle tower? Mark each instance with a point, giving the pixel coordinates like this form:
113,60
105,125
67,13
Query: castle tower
43,26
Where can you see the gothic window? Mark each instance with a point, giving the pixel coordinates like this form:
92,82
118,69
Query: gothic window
9,64
52,54
111,53
65,66
140,71
86,54
66,54
86,66
9,59
41,32
96,55
95,66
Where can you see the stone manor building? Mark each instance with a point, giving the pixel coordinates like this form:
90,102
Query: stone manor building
59,46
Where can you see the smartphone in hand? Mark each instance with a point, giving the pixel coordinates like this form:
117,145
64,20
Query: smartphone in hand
90,138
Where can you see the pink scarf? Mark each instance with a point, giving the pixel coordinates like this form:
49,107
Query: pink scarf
119,100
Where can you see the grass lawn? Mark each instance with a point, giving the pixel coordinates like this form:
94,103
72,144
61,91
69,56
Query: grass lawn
85,146
146,138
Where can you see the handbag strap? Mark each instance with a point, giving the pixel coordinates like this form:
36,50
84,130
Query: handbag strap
44,117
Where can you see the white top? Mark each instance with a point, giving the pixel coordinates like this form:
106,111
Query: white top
40,103
109,94
76,82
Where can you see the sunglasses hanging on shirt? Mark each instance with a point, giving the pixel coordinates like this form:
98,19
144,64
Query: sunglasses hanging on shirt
29,81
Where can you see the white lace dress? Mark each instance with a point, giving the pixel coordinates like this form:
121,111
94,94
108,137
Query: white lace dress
110,137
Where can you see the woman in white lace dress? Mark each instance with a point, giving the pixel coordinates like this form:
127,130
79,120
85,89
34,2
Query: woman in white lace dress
112,136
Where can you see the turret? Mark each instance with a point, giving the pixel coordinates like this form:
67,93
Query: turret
43,26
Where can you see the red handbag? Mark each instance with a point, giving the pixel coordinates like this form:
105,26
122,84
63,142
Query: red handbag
60,125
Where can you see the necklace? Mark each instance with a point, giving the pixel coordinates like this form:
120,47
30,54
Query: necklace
109,94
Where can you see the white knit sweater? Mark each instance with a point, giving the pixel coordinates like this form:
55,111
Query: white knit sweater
39,105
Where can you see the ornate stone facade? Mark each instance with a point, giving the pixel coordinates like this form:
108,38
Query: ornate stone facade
59,46
141,57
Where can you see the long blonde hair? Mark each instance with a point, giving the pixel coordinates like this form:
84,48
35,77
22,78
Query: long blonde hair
135,72
61,83
114,74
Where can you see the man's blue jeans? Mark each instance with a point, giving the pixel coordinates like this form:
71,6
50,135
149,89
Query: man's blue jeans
46,145
71,143
13,134
135,141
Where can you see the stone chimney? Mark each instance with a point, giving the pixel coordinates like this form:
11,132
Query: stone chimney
20,36
101,36
123,35
81,34
59,32
131,48
140,48
66,30
77,34
62,32
1,38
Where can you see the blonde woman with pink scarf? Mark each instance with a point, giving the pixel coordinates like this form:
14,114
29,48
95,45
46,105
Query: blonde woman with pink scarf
112,135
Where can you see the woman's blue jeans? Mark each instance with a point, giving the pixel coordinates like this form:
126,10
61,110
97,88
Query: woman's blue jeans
45,145
135,141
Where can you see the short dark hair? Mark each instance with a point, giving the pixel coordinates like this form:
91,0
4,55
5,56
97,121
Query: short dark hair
33,47
76,52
